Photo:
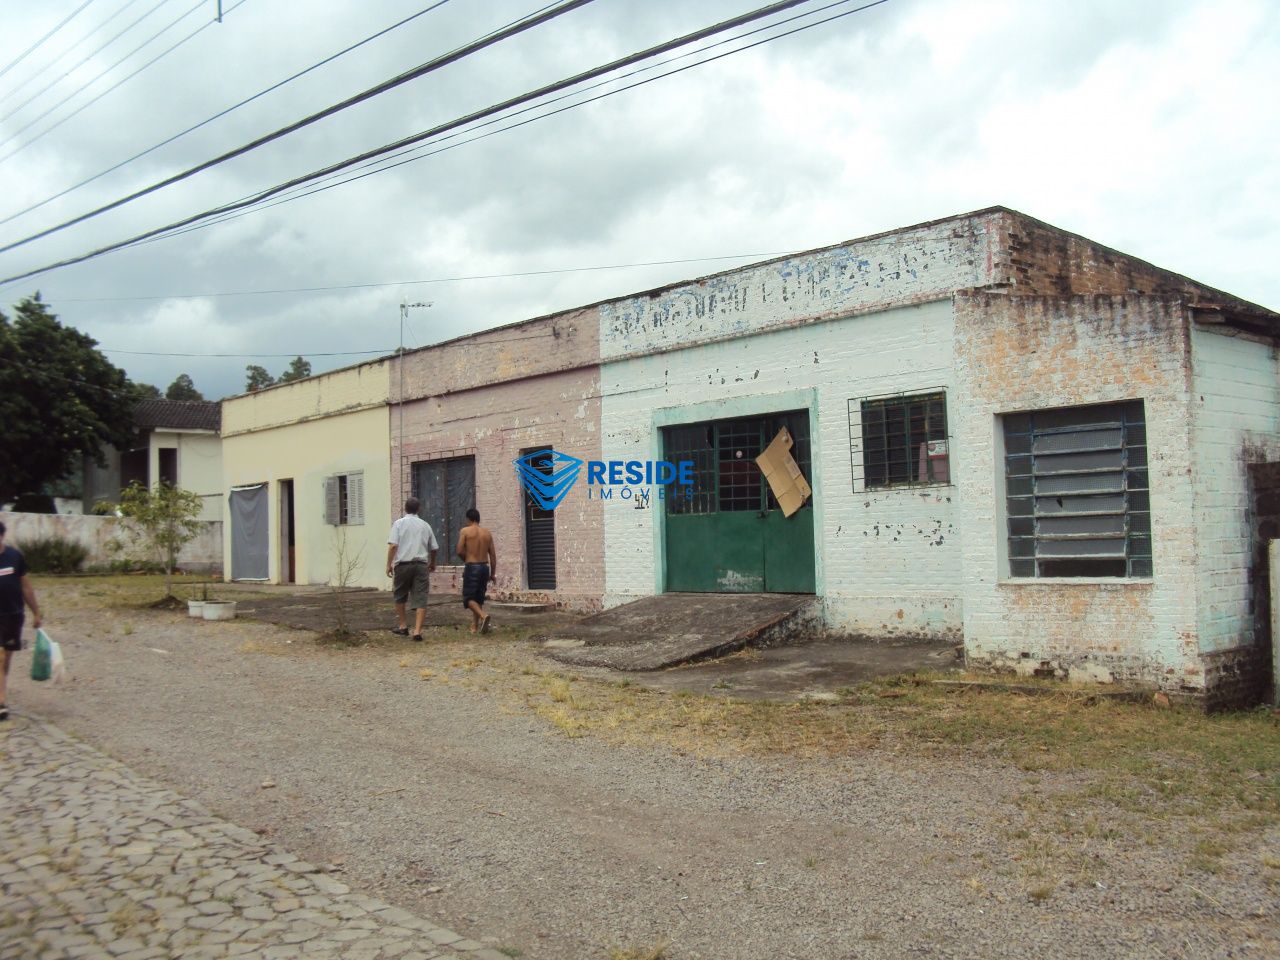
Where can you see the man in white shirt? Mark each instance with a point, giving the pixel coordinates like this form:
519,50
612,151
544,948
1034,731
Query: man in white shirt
411,556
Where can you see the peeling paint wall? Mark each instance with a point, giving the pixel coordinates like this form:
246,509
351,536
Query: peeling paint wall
888,560
905,267
492,397
1236,405
1032,353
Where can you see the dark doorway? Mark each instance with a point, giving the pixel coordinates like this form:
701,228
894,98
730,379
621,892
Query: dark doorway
539,533
288,556
168,466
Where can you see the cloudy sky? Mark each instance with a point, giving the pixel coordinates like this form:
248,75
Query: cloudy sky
1144,124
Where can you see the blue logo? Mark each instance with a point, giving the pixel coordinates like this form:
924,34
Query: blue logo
547,475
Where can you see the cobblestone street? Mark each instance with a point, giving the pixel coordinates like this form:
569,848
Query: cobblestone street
100,862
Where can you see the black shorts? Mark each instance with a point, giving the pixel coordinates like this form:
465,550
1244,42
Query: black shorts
475,580
11,631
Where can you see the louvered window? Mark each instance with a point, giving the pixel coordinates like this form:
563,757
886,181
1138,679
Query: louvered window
344,499
1079,502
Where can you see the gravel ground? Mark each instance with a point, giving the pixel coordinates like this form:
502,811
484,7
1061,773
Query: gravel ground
461,806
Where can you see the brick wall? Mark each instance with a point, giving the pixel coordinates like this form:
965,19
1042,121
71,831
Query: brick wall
1031,353
1035,258
888,561
495,425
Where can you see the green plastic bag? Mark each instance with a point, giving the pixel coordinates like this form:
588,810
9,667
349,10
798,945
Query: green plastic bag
42,657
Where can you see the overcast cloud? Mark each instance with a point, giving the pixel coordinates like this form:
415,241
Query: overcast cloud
1147,126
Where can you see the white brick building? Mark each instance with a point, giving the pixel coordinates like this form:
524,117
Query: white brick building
1013,435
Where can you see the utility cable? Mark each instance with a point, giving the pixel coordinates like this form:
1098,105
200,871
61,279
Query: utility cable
411,154
222,113
119,11
421,70
31,49
555,87
408,283
123,80
62,76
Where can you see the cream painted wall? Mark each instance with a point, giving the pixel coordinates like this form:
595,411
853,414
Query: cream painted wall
307,453
342,391
199,465
304,432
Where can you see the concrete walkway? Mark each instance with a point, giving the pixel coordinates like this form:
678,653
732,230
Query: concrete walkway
675,628
99,862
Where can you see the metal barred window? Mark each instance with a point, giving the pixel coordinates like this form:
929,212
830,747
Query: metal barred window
1078,492
903,439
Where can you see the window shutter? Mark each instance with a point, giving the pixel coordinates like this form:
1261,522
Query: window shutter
355,498
331,507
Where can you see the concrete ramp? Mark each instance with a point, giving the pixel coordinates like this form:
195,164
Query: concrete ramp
675,628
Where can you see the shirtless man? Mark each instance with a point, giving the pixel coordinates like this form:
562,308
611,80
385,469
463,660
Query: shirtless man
475,549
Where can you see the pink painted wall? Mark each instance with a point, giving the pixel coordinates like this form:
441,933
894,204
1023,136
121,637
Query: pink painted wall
493,397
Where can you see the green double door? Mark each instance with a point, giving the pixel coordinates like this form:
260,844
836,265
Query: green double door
728,535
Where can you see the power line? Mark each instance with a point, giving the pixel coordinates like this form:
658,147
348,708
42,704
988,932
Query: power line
648,53
31,49
253,203
223,113
123,80
421,70
406,283
119,11
62,76
247,356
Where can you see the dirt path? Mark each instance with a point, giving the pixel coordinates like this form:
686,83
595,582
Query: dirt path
459,804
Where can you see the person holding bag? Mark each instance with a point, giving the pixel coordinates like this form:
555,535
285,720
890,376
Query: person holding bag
15,589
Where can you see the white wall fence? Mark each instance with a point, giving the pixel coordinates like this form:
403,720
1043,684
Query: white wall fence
100,534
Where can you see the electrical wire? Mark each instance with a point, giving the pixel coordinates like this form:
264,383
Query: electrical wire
555,87
31,49
13,91
222,113
62,76
383,164
407,283
246,356
123,80
430,66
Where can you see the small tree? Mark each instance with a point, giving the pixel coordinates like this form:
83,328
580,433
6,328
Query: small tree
345,566
163,519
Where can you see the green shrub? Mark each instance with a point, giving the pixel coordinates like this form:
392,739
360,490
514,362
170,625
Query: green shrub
54,554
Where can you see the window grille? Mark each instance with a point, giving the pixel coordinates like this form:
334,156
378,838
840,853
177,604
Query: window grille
1078,492
899,441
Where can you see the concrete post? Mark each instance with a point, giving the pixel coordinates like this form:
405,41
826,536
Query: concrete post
1273,564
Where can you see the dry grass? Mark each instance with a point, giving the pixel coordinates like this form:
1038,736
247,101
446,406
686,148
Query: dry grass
656,952
1094,772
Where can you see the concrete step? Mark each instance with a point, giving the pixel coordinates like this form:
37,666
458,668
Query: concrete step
675,628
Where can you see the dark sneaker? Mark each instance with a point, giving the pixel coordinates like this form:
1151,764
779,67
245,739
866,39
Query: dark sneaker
486,623
4,712
401,631
417,638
